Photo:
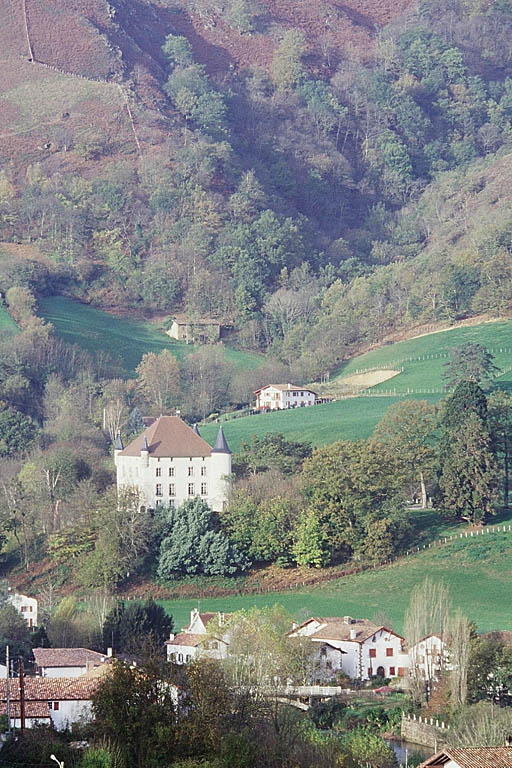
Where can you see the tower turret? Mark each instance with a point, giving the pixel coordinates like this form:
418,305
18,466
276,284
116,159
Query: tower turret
144,452
221,472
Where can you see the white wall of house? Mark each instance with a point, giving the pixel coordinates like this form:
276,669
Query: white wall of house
26,607
69,712
175,480
63,671
30,722
428,657
274,398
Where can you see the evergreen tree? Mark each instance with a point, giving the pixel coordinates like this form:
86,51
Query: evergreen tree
309,548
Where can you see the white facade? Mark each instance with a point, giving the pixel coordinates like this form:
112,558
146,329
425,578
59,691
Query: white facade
203,637
282,396
429,657
170,463
368,650
64,713
63,671
26,607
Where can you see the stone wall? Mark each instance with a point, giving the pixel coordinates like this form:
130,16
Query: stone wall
421,730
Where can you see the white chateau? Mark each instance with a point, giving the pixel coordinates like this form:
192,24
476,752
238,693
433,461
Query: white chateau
170,463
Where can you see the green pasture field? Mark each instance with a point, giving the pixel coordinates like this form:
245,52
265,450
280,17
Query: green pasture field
348,419
7,324
477,570
124,338
423,358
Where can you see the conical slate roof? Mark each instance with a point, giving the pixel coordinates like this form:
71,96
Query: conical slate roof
167,437
221,445
118,445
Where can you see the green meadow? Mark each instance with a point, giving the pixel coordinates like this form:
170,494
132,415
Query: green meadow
423,358
7,324
124,338
477,570
348,419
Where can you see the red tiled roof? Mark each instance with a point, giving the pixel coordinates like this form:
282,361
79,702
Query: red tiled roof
37,709
67,657
285,388
187,638
336,628
167,437
472,757
51,688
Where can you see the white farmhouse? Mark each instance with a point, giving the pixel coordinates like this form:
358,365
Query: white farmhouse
281,396
66,662
429,657
357,647
26,607
204,636
170,463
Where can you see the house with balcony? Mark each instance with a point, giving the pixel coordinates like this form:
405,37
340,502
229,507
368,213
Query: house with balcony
274,397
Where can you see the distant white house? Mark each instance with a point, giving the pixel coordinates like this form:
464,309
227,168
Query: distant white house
281,396
357,647
26,607
59,702
202,329
429,657
66,662
204,636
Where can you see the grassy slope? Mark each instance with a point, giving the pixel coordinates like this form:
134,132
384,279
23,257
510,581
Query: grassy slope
121,337
342,420
427,372
7,324
478,572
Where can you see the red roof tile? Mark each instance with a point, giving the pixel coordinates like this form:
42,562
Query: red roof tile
67,657
472,757
169,436
51,688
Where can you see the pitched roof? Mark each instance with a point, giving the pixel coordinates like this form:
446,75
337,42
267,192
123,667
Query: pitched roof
181,319
187,638
37,709
221,445
499,635
167,437
284,388
51,688
473,757
336,628
66,657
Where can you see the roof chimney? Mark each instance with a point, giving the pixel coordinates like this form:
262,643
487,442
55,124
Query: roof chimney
196,430
348,620
353,634
110,653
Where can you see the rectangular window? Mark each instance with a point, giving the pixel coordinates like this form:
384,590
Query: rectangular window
373,653
172,489
203,489
55,705
158,471
391,671
389,651
191,489
158,489
191,471
171,471
203,471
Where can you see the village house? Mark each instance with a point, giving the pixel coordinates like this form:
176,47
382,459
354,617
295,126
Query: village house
59,702
471,757
66,662
26,607
428,657
357,647
281,396
170,463
204,636
202,330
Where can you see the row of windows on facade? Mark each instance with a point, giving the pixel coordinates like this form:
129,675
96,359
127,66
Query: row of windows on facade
158,471
191,490
373,652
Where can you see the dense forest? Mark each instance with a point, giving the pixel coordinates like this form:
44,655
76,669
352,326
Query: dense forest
316,204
